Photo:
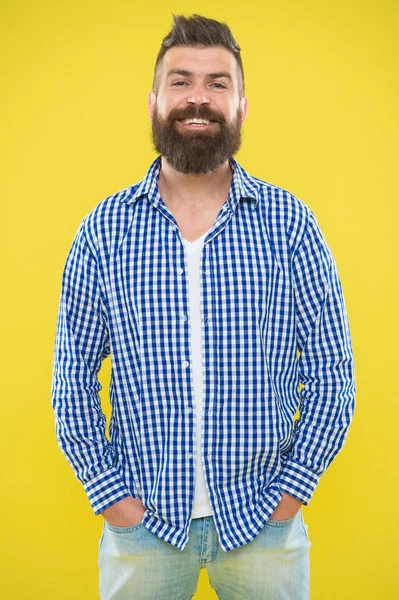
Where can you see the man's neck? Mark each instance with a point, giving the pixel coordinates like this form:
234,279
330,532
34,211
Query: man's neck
188,190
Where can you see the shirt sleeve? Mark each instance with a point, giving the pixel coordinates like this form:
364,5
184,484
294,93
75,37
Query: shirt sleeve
326,366
80,346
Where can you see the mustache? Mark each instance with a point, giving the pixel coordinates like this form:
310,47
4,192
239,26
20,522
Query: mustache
196,113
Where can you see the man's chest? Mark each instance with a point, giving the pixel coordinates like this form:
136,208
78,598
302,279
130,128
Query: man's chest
191,230
148,278
146,288
194,221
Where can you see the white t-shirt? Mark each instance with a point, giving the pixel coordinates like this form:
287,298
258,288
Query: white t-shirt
202,506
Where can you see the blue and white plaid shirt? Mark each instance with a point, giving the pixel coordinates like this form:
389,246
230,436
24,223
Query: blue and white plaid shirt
275,337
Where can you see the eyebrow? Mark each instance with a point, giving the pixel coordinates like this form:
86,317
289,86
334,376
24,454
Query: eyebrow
188,73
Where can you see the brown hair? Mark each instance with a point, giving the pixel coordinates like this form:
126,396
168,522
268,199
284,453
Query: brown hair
199,31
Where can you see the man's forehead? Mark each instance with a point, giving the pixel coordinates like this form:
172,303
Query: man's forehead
197,59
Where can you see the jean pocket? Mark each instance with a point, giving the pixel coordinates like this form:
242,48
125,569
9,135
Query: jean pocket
117,529
305,530
282,523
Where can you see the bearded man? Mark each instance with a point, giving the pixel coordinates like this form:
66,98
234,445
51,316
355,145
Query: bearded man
232,386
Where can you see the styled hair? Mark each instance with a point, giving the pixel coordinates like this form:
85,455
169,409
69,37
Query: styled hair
202,32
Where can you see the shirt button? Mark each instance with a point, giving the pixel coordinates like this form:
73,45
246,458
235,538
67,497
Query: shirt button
189,409
179,270
185,364
189,455
184,317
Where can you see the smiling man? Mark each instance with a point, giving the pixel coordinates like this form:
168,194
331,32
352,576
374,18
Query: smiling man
216,295
197,109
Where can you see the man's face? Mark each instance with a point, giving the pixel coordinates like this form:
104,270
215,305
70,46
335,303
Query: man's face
197,83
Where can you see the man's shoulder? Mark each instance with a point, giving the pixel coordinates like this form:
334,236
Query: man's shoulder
108,220
278,198
288,220
285,215
113,205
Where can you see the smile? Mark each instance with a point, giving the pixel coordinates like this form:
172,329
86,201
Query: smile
196,123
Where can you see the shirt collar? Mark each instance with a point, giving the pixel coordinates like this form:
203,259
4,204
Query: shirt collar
243,186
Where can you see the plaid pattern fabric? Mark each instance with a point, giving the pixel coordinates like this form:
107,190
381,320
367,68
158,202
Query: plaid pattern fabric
275,338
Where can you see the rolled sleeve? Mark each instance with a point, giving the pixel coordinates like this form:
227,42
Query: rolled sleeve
326,366
81,344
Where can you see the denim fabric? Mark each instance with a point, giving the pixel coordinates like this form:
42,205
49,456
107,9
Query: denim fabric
135,564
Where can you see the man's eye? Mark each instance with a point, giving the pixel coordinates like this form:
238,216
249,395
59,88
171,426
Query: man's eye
180,83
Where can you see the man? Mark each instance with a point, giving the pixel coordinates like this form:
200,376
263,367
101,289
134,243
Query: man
203,283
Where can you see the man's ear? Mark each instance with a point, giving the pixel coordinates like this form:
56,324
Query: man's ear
152,99
244,109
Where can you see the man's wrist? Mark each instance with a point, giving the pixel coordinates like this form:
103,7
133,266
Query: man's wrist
290,498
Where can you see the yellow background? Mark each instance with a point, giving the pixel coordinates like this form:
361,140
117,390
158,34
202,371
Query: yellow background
322,85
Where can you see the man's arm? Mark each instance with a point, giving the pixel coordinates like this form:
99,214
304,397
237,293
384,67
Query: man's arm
80,346
326,366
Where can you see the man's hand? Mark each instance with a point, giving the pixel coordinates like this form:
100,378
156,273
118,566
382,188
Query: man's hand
124,513
287,508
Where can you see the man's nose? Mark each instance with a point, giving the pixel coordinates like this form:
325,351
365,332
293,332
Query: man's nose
198,95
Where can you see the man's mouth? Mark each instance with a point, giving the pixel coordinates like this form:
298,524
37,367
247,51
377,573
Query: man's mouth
197,123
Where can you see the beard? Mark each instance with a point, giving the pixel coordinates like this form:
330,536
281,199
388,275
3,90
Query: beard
196,152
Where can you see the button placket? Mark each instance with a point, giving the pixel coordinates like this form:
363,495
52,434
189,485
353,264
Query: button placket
187,327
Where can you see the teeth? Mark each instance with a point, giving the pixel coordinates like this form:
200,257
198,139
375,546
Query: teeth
188,121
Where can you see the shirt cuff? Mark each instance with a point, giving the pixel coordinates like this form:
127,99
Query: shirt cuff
298,481
105,489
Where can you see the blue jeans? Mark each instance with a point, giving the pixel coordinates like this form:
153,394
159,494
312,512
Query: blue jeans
135,564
